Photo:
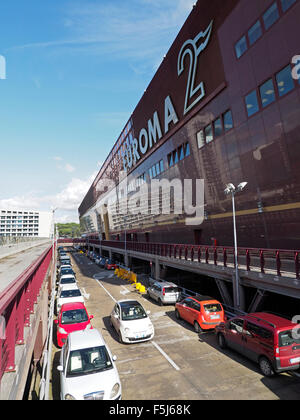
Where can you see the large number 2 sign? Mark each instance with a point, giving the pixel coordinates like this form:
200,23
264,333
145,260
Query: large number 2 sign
193,47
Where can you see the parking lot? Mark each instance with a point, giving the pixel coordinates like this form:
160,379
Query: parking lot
177,364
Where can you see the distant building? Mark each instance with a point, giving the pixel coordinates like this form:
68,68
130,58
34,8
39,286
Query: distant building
25,223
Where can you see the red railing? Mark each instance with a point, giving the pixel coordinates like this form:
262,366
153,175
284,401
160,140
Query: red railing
16,306
278,261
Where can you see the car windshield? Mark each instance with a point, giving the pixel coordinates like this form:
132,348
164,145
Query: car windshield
132,311
66,271
171,289
289,337
213,307
68,280
74,316
70,293
88,361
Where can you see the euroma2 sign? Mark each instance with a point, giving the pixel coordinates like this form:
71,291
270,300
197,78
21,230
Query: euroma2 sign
150,135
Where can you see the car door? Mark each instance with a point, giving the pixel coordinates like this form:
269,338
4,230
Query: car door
257,341
235,334
116,317
186,310
152,291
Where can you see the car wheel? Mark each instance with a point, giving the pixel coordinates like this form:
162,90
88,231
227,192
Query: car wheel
160,302
222,341
266,367
177,314
197,327
120,338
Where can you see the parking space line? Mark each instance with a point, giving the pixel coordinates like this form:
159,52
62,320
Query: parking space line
165,355
106,291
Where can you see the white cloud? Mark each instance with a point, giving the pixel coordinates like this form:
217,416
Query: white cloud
69,168
66,201
139,30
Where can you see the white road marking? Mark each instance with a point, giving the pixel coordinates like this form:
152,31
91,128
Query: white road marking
125,291
106,291
86,295
165,355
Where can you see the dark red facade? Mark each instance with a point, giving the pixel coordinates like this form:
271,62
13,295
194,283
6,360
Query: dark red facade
262,146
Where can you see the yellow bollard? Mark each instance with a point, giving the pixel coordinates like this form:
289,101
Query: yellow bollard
137,286
142,289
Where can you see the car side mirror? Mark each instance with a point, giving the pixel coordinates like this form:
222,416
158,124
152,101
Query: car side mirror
91,316
148,312
56,321
60,368
114,358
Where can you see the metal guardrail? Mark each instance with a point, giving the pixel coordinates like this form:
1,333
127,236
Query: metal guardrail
278,261
16,306
47,353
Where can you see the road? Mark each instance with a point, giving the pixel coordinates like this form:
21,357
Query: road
14,265
178,364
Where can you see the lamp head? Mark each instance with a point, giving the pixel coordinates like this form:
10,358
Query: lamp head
242,185
230,188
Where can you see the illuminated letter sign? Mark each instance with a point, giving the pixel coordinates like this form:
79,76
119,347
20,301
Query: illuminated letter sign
193,47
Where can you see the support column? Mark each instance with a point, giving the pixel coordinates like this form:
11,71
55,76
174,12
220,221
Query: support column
223,289
257,300
157,269
241,304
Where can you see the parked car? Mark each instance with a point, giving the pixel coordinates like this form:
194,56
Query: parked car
66,271
73,316
265,338
110,265
67,279
68,293
131,322
203,312
87,368
101,262
164,292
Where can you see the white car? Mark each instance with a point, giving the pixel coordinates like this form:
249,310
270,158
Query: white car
68,293
131,322
87,368
66,279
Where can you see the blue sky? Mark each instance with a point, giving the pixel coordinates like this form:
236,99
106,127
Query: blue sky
75,71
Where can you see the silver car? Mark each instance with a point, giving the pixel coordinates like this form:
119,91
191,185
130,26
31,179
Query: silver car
164,292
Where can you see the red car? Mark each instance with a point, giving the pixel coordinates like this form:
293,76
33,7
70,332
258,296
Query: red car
269,340
110,265
72,317
203,312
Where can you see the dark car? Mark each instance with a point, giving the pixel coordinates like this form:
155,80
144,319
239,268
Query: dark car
269,340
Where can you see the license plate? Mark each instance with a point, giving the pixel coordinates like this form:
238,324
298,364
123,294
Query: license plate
296,360
215,317
140,336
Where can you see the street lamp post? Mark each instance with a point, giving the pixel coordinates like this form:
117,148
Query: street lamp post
232,190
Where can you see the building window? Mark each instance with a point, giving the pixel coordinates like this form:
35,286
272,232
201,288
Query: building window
170,160
255,33
252,103
187,150
181,153
241,47
208,133
285,81
286,4
228,120
200,139
175,157
267,93
161,165
271,16
218,128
